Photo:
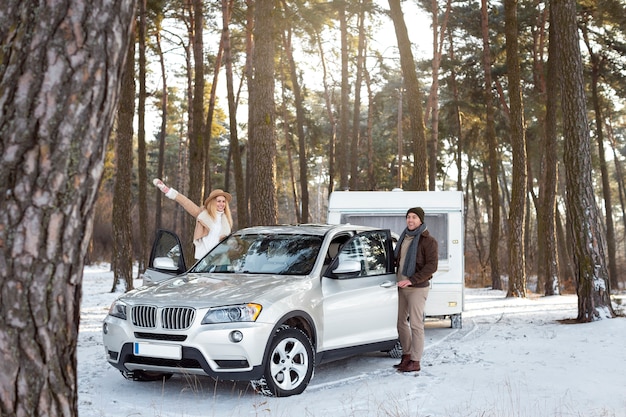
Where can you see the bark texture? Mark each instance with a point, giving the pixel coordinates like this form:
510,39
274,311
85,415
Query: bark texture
263,200
583,215
60,71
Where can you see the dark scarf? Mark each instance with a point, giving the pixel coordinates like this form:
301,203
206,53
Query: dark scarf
411,257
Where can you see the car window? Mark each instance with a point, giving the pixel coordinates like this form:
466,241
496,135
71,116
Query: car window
166,250
282,254
369,250
437,226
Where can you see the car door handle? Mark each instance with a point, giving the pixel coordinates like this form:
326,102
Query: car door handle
388,284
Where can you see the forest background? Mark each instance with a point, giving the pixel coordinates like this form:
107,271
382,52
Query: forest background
521,106
344,120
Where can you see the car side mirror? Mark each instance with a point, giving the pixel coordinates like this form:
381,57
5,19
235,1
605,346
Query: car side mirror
347,267
165,263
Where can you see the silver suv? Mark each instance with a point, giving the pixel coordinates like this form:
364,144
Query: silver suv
266,305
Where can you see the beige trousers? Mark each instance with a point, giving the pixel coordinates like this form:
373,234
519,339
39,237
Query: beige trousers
411,302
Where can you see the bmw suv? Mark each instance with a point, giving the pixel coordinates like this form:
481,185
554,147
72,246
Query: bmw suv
265,305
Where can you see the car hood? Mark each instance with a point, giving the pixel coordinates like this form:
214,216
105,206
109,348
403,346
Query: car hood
208,290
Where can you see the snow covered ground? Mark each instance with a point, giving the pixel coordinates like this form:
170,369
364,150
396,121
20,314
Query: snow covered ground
512,357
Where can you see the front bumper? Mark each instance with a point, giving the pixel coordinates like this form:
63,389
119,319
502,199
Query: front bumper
204,349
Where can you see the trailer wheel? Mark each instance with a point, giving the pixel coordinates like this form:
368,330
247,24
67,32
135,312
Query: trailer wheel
456,322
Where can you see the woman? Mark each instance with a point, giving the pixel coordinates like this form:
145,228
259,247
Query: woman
417,258
213,221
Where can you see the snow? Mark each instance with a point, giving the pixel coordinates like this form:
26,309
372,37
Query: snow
513,357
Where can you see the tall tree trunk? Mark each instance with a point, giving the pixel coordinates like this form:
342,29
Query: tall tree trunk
249,73
619,171
60,84
594,301
564,244
142,170
208,124
288,138
492,143
477,228
596,68
196,136
300,120
457,118
371,179
232,117
123,195
517,212
414,98
263,142
344,135
434,98
547,249
356,108
163,130
331,118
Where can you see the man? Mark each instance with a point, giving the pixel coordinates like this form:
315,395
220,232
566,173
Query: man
417,257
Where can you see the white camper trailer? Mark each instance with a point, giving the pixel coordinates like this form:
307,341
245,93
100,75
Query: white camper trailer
444,218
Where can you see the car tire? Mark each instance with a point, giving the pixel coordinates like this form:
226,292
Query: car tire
289,365
396,351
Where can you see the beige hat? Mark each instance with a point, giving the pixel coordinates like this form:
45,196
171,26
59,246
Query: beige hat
216,193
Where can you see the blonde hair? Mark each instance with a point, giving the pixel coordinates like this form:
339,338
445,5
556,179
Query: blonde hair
211,207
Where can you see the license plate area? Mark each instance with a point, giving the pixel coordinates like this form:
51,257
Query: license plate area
157,350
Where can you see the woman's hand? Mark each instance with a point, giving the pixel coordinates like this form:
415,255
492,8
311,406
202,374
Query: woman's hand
159,184
169,192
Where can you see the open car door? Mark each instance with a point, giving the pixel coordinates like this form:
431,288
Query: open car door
166,258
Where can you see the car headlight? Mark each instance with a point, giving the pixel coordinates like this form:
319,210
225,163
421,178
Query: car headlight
232,314
118,309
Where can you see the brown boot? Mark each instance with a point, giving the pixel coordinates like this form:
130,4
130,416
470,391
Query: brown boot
412,366
405,360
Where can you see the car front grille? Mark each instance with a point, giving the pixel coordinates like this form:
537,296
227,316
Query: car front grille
144,316
172,318
177,318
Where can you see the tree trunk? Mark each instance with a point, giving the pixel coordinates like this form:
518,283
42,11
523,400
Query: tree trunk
356,108
196,135
596,67
123,194
232,116
249,71
414,99
496,281
371,179
263,142
592,279
434,95
142,170
300,120
288,139
547,249
331,118
60,81
162,132
517,211
208,124
619,171
344,136
458,125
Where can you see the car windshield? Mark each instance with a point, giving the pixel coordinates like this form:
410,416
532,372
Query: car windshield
282,254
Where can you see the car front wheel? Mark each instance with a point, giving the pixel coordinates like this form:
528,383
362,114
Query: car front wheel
290,364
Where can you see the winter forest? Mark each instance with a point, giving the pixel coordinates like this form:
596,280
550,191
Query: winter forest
519,104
